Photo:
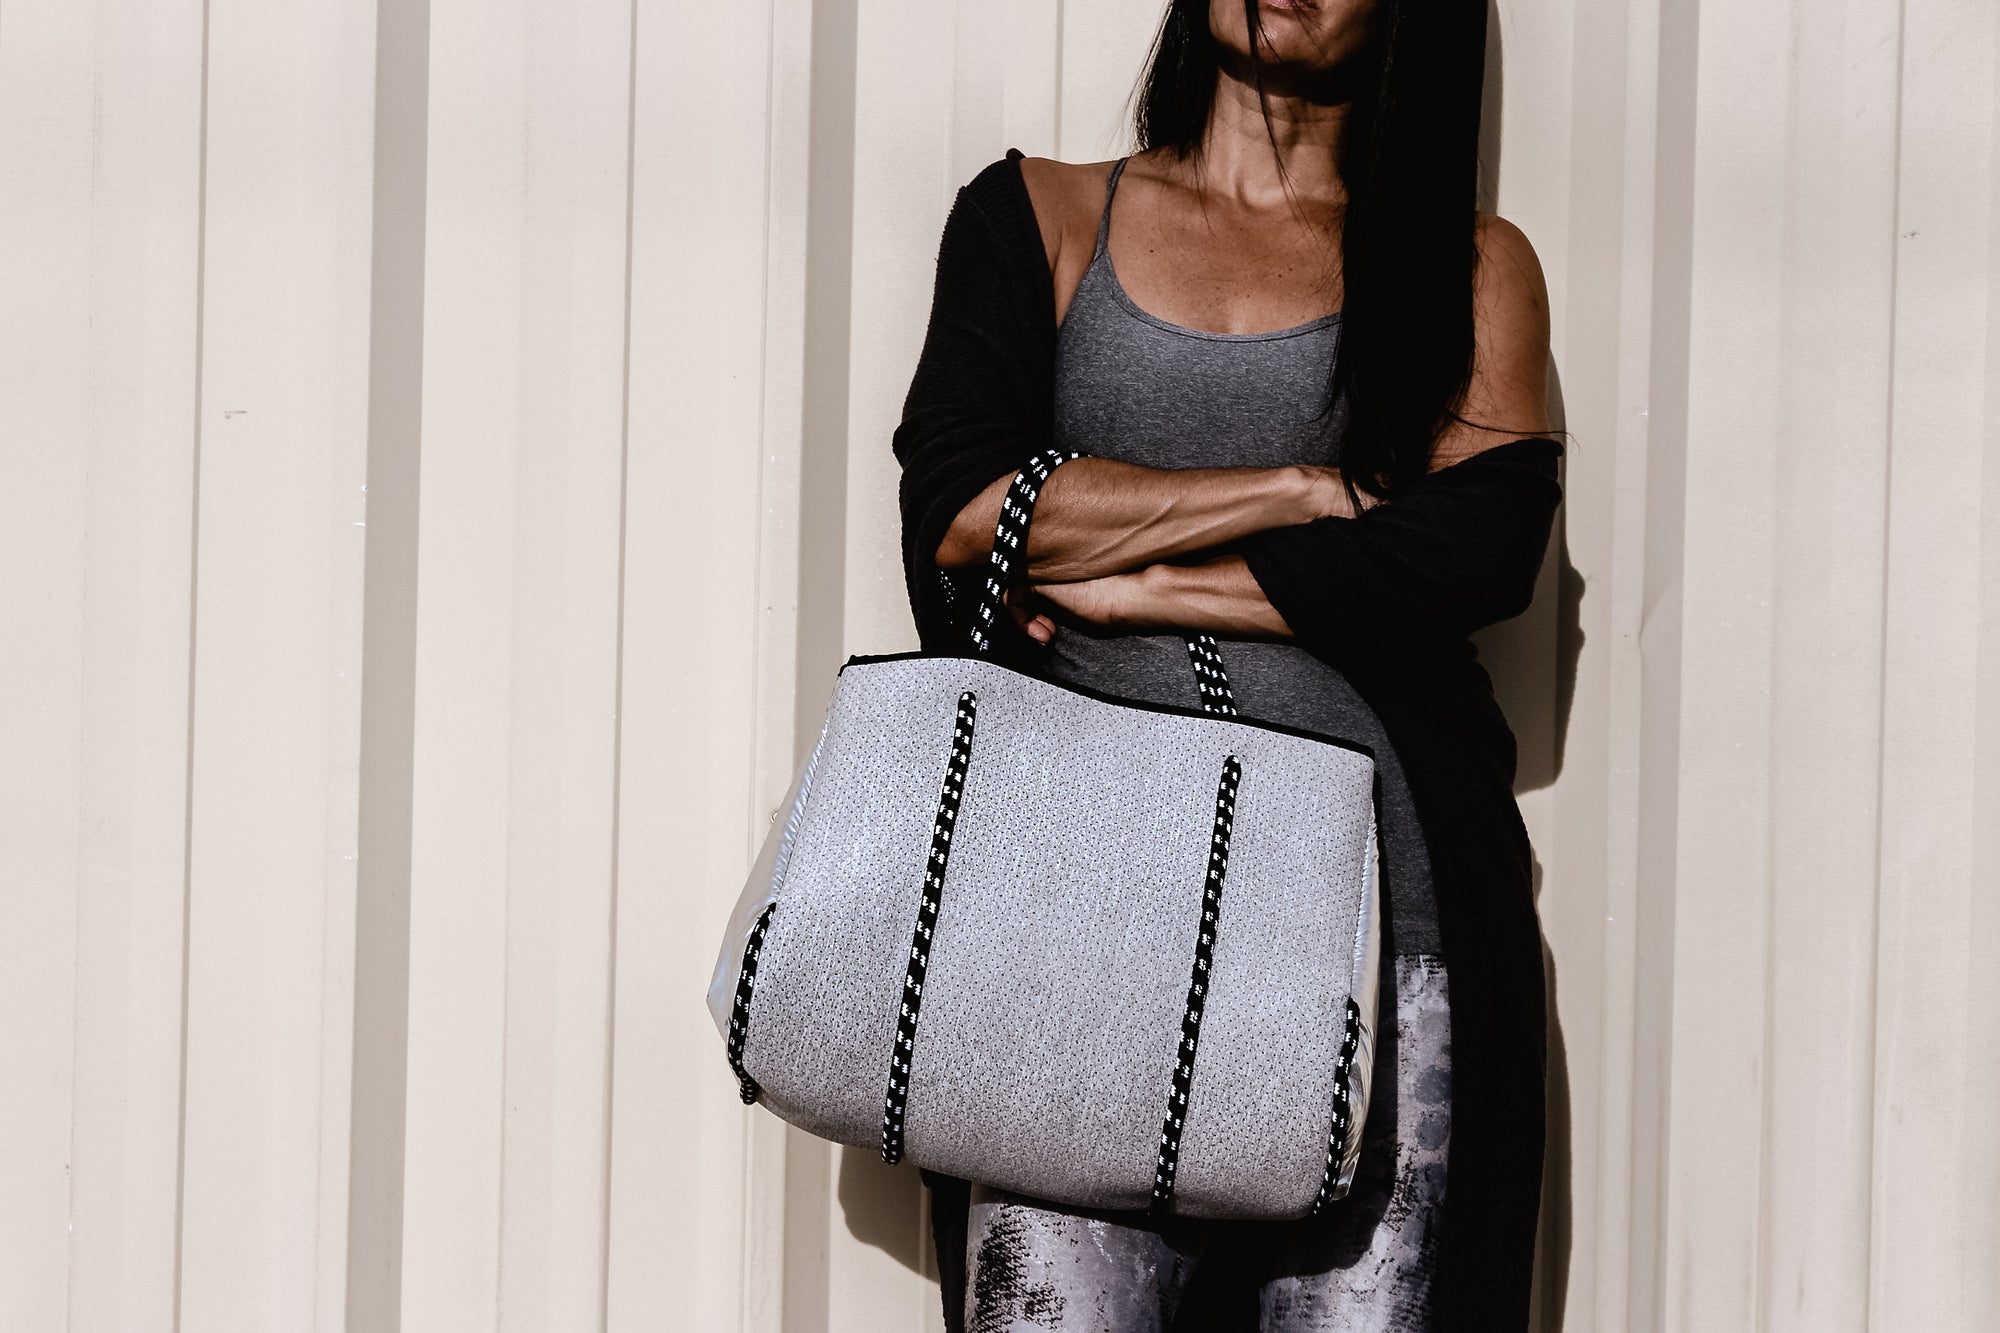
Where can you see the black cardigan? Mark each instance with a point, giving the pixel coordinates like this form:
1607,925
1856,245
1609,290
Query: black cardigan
1388,599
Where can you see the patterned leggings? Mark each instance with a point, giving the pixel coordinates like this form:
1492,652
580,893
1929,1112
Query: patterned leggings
1364,1266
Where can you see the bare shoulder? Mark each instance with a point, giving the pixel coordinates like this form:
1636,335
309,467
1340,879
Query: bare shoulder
1510,285
1508,395
1066,197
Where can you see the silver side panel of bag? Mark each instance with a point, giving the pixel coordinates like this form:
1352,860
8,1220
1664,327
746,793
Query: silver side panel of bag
760,890
1059,970
1368,962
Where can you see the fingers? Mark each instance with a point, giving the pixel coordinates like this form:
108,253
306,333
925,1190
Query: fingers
1035,624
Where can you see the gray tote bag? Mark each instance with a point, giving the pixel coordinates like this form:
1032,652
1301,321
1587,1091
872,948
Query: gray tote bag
1097,952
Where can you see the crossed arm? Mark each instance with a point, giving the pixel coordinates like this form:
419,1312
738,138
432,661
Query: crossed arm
1117,544
1110,542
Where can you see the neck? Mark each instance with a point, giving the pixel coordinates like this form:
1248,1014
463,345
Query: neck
1237,149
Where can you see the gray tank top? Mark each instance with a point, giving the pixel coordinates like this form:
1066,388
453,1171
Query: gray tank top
1131,386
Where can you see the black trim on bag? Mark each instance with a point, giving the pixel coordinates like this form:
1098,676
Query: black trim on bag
1101,696
1343,1107
739,1013
1343,1121
896,1101
1204,958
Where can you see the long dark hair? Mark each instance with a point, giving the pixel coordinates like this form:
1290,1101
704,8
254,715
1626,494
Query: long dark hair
1409,160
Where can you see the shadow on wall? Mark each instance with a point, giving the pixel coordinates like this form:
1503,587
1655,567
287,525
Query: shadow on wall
1533,662
1533,657
1490,114
883,1207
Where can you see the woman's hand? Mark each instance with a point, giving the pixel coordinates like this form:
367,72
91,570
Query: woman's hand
1111,599
1218,595
1099,601
1326,495
1024,605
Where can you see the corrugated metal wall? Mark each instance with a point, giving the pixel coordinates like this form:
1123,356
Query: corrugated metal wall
446,453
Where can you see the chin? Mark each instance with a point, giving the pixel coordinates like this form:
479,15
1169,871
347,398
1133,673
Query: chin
1304,35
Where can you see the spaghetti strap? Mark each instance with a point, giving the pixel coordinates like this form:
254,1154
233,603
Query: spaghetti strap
1104,222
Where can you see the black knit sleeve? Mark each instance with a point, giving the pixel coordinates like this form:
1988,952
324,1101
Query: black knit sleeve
1408,581
977,408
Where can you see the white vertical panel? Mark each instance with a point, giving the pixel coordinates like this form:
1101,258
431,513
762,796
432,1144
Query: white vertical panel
1030,75
1722,903
566,524
1980,1160
512,860
1787,440
690,705
1978,1155
1836,226
808,140
1835,438
1104,44
143,243
45,393
279,515
460,882
1536,72
379,1083
910,157
1932,968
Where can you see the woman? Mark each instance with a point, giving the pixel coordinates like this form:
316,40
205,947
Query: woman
1308,381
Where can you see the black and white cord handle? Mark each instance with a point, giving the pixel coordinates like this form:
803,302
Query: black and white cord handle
1010,556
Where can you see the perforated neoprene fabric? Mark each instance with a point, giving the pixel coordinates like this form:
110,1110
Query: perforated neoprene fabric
1056,983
